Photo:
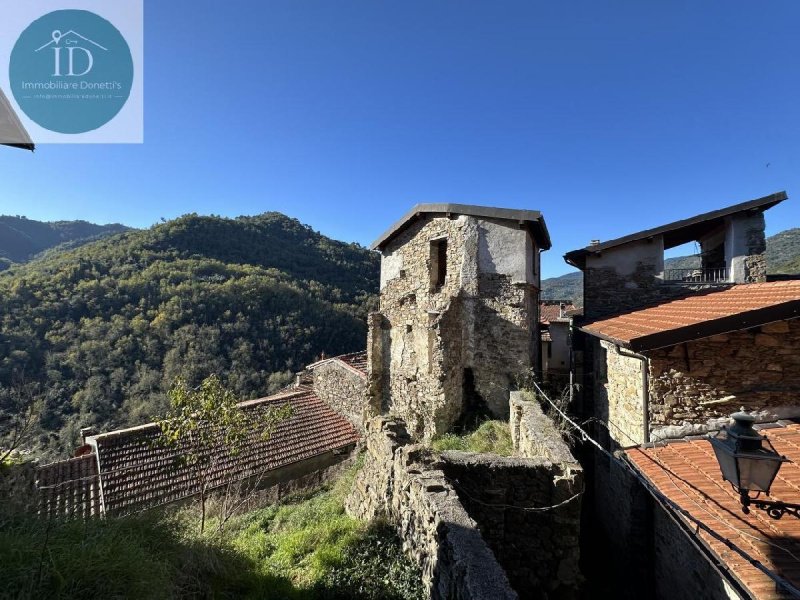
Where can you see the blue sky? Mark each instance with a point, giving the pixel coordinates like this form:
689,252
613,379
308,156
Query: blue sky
609,117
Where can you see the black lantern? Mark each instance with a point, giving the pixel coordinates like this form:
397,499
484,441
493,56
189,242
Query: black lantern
750,463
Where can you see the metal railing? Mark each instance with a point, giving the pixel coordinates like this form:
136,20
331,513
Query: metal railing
717,275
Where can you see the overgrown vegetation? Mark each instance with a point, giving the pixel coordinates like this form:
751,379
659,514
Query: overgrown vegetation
107,327
306,549
208,426
490,436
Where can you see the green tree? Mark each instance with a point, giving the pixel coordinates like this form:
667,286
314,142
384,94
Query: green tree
207,425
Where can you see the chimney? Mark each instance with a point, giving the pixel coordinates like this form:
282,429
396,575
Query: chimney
86,432
594,243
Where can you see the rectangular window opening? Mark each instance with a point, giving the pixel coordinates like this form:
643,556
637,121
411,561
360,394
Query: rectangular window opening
438,261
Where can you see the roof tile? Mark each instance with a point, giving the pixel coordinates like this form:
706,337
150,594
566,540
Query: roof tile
716,311
688,474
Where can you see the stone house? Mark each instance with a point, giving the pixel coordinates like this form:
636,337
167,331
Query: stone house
663,357
628,272
458,319
554,322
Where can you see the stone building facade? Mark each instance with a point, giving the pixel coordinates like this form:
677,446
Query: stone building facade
692,387
628,272
458,320
341,382
695,386
662,356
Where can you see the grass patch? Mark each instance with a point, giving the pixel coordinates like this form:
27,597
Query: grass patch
490,436
306,548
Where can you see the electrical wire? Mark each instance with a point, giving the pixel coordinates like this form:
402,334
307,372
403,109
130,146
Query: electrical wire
513,506
664,500
667,471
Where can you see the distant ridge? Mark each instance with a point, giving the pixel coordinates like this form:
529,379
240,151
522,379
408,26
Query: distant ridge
21,239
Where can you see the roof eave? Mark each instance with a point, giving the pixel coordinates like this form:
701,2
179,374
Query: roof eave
576,257
706,329
533,218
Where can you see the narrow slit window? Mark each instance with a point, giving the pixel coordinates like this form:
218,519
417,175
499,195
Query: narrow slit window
438,263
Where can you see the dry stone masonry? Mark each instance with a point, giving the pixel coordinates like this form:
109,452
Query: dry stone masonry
402,483
342,387
460,514
696,385
458,320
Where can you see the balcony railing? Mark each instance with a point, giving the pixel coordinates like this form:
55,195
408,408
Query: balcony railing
719,275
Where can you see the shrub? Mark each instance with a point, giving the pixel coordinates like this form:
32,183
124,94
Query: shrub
490,436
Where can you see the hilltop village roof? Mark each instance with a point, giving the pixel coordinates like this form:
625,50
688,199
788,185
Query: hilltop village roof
700,315
356,361
552,312
679,232
137,472
687,472
532,219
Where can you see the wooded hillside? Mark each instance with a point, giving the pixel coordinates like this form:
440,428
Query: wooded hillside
104,329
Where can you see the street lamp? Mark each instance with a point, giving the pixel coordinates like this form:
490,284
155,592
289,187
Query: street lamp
750,463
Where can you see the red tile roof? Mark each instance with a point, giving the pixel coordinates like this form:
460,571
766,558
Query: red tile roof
688,474
138,473
552,312
701,315
356,361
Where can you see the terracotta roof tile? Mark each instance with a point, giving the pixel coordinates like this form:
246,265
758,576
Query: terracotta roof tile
552,312
701,315
688,474
356,361
138,473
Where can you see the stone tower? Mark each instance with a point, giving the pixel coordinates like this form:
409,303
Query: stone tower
458,319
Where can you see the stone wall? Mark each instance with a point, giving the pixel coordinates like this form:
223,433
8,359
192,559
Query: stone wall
538,549
343,389
402,483
618,393
681,569
435,349
639,549
534,435
695,386
607,292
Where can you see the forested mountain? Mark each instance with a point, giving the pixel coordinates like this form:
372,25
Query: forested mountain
783,257
21,239
104,329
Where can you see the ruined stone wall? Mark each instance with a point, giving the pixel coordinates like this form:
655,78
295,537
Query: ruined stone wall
534,435
479,327
618,393
538,549
342,389
695,386
415,381
504,347
401,483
